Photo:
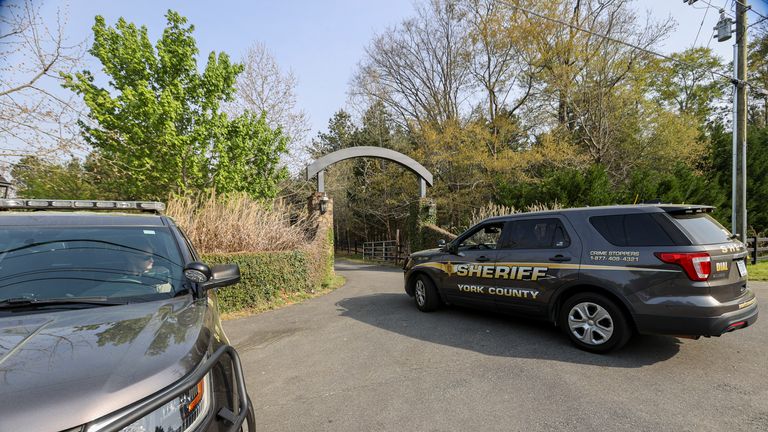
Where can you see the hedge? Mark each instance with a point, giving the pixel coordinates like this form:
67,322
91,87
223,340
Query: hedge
264,276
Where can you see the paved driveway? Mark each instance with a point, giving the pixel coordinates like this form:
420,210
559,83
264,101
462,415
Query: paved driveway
364,359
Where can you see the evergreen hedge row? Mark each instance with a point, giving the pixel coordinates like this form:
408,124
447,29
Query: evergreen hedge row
264,276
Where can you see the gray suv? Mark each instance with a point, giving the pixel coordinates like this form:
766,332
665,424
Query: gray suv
599,273
109,322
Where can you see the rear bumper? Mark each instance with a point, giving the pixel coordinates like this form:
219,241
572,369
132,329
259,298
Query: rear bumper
697,326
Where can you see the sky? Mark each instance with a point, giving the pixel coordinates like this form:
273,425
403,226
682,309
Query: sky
322,41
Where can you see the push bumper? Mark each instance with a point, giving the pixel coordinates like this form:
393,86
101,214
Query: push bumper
697,326
234,422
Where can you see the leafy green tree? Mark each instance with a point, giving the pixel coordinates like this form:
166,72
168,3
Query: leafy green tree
569,187
339,135
36,178
757,175
757,68
158,127
686,83
380,191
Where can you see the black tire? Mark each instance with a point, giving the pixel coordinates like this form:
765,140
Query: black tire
425,294
604,325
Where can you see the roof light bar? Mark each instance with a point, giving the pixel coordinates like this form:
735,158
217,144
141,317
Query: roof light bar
43,204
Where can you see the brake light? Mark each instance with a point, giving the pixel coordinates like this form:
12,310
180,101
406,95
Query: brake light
697,265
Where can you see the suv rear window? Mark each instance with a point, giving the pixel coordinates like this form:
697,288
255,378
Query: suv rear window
703,229
535,234
638,229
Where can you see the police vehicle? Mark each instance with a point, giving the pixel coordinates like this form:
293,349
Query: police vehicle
109,322
599,273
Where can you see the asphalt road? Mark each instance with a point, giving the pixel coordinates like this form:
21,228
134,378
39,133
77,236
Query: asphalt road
363,358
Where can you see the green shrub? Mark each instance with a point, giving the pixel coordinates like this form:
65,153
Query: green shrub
265,275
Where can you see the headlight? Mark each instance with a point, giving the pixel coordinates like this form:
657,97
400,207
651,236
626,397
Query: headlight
180,414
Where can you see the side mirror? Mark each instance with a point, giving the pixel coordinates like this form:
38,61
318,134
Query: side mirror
197,272
452,248
441,243
212,277
223,275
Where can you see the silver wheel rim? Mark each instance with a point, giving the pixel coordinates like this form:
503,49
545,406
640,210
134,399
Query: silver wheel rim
421,293
590,323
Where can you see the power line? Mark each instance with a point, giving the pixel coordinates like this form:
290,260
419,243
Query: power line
700,26
725,11
625,43
722,9
757,22
749,8
610,38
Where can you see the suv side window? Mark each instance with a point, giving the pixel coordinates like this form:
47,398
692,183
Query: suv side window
486,236
637,229
536,234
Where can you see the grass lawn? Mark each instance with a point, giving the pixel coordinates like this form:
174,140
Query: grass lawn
758,272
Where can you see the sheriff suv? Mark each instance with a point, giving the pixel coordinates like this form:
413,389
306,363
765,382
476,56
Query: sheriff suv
109,322
599,273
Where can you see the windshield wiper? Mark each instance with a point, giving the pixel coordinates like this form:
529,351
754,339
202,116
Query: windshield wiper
25,302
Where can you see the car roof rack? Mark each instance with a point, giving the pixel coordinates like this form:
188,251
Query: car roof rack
91,205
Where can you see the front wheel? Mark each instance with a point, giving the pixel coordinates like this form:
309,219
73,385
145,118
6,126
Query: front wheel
425,294
594,323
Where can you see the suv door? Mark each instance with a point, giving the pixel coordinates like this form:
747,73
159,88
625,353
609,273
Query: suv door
541,254
471,254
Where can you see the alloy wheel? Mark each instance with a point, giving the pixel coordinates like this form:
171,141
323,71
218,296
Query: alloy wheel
590,323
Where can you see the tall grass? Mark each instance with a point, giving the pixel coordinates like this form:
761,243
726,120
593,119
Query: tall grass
236,223
492,210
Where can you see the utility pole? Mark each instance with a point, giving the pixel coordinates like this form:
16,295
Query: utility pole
740,125
739,152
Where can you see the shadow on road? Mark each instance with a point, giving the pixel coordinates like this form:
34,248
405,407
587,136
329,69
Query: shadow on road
496,334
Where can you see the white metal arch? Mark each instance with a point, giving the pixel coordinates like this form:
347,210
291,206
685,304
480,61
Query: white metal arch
317,168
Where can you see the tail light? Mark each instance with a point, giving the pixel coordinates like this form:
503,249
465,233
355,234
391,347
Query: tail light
697,265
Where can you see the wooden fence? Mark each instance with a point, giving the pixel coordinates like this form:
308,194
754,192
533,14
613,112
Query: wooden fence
758,249
385,250
380,250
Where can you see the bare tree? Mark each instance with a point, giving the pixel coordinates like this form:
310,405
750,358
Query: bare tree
502,63
264,87
37,117
419,69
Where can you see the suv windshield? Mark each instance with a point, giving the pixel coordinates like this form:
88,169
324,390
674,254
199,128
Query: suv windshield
116,262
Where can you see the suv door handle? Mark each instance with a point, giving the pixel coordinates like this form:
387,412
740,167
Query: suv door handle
559,258
482,258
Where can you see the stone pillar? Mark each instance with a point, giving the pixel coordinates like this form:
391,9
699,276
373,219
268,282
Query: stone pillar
422,212
323,243
314,203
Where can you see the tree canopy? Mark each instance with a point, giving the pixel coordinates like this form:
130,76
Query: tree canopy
157,127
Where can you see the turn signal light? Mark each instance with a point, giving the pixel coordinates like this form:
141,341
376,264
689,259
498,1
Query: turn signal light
697,265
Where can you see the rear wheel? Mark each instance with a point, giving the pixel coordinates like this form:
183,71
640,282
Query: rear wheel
425,294
594,323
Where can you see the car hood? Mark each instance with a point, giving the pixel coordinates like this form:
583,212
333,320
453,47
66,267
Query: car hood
427,253
62,369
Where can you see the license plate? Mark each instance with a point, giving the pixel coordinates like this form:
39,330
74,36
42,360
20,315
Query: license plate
742,268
